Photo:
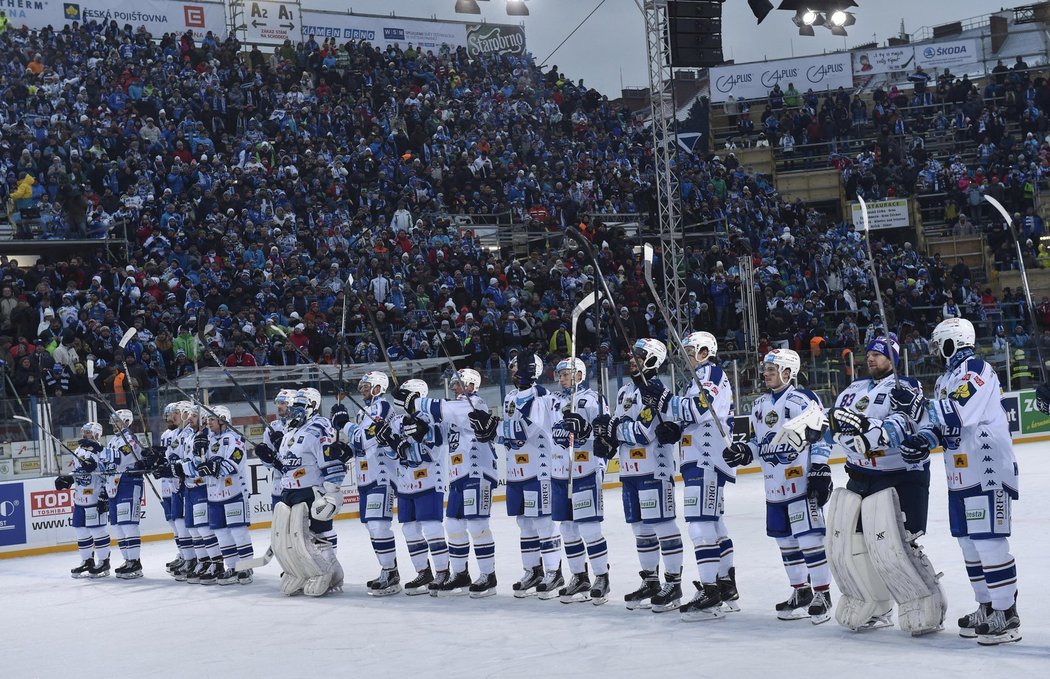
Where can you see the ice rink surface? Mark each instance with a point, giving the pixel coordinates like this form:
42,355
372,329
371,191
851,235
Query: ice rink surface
156,627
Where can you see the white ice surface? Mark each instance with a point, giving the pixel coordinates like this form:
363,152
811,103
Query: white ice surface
156,627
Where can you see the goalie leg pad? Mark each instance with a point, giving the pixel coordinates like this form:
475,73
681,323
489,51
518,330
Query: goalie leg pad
864,594
907,572
295,549
292,580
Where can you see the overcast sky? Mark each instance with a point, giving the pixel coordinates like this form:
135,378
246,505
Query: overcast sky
610,47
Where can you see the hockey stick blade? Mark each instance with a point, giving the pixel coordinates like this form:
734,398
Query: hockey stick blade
1002,210
257,562
585,303
127,337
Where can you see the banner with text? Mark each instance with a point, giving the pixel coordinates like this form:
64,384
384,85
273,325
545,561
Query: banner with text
158,16
422,33
946,54
755,80
889,60
882,214
495,39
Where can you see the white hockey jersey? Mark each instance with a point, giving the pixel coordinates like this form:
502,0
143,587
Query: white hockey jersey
229,451
119,455
432,453
967,412
467,457
702,444
783,468
375,463
526,431
170,442
186,436
871,398
640,453
589,404
307,456
277,425
87,484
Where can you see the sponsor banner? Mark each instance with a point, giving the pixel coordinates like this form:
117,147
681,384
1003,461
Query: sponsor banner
12,516
888,60
882,214
495,39
271,22
383,31
755,80
945,54
158,16
1032,421
1013,412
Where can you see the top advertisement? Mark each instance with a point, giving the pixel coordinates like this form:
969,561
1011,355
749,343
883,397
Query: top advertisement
383,32
495,39
907,57
156,16
755,80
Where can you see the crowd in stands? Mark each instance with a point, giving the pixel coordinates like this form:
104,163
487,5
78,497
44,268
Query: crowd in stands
251,187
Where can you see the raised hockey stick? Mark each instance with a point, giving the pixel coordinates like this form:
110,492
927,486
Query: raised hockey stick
343,348
375,328
205,408
131,332
62,443
225,371
875,282
1024,280
647,260
585,303
113,414
448,356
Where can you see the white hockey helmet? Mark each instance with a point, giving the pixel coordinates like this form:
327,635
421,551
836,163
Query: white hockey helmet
952,334
784,359
417,387
284,397
92,428
649,353
122,418
171,409
188,408
701,340
468,376
220,413
314,396
373,379
569,364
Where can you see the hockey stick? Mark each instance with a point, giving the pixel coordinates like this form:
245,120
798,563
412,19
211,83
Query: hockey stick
225,371
131,332
647,259
201,404
257,562
113,413
574,234
875,281
584,304
342,329
47,410
375,327
448,356
62,443
1024,280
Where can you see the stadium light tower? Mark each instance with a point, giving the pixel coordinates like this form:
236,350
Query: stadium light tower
468,7
515,8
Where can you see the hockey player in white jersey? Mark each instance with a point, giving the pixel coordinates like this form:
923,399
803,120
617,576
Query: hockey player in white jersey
871,549
123,453
797,481
196,442
171,489
646,445
965,416
472,474
525,430
371,438
225,469
704,473
266,450
90,504
577,486
311,496
422,453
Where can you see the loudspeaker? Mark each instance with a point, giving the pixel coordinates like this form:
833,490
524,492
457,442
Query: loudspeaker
695,31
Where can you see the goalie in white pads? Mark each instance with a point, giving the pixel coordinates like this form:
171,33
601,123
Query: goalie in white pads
705,473
788,424
966,416
311,497
577,486
879,562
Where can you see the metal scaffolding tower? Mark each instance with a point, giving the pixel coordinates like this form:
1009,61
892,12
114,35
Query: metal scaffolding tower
665,148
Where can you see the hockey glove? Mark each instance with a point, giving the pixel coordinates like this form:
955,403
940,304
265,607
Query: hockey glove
178,471
384,434
265,453
88,444
1042,398
819,483
340,417
200,443
63,482
483,425
848,422
415,427
907,402
738,455
163,471
277,438
656,396
406,399
668,433
87,464
342,451
326,502
604,427
210,467
604,448
408,454
575,424
916,448
103,505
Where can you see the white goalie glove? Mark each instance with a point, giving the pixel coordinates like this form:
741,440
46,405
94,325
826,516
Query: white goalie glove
803,429
326,502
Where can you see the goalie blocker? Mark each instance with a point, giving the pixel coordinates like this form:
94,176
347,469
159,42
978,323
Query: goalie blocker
877,566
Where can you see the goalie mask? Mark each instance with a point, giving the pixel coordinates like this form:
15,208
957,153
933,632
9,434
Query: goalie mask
649,354
951,335
527,368
301,410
